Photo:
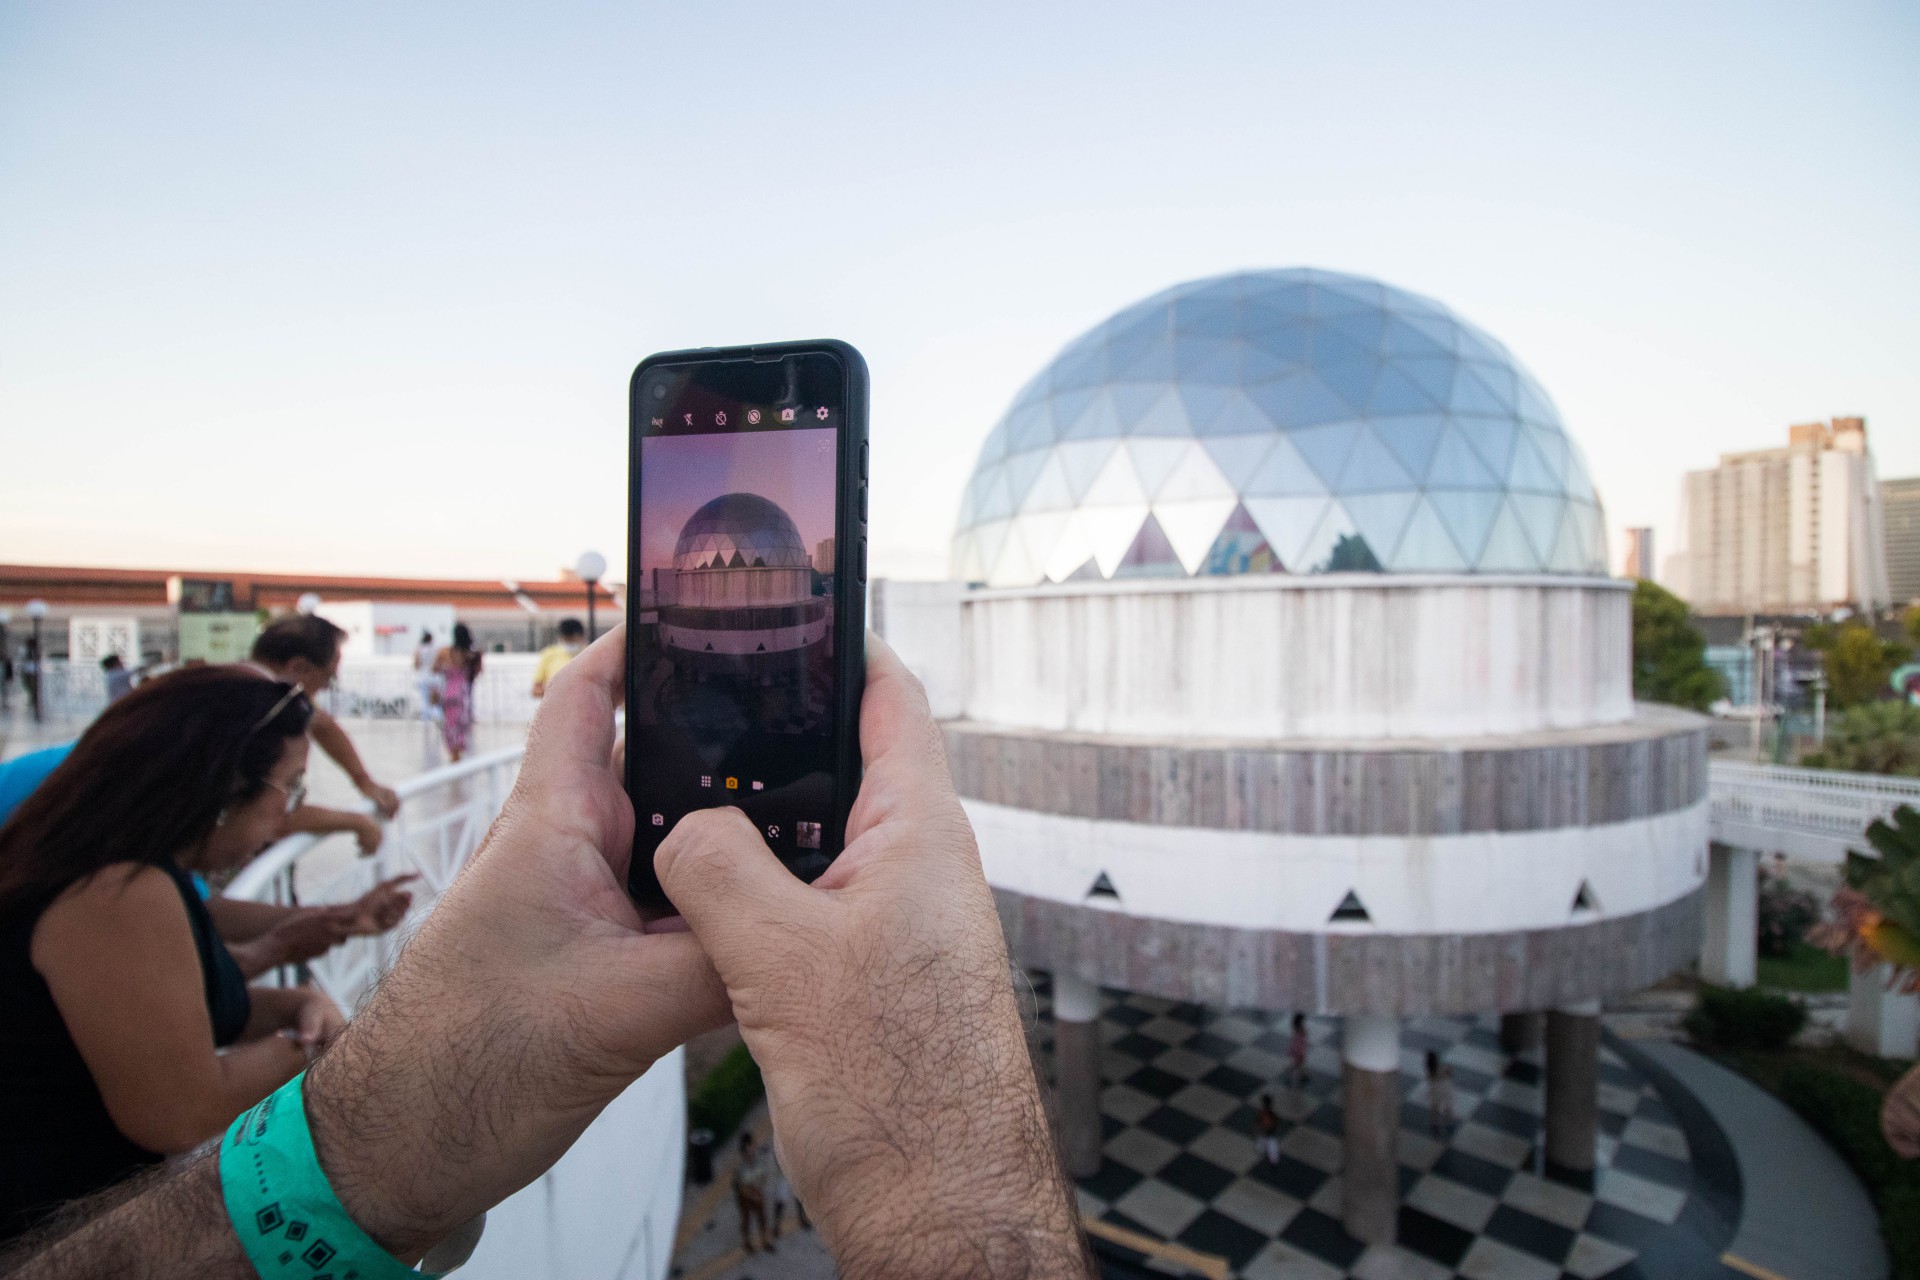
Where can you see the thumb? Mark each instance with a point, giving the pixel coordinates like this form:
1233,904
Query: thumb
729,886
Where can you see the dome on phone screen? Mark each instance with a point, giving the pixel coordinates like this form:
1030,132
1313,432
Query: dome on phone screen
740,531
1292,421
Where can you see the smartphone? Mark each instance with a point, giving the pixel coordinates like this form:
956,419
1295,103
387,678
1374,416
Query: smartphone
746,606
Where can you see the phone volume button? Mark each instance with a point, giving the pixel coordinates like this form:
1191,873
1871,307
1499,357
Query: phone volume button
863,459
863,504
862,561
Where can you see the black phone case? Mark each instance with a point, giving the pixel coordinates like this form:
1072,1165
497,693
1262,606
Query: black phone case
849,561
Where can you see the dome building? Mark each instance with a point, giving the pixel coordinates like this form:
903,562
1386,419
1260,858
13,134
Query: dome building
1280,669
740,593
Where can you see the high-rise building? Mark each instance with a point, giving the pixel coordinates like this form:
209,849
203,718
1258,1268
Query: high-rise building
1640,562
1793,530
1901,501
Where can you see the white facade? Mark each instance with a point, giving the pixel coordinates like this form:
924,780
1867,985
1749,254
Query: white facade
1793,530
378,629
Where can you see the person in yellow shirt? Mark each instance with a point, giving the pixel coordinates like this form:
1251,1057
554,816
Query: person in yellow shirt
573,638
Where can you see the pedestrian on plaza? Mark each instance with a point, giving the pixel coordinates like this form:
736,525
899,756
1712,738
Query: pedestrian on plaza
425,682
30,674
750,1194
305,650
1297,1053
1439,1095
458,666
6,671
1266,1130
573,638
117,995
119,679
782,1191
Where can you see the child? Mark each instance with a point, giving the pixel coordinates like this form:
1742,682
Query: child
1439,1095
1266,1131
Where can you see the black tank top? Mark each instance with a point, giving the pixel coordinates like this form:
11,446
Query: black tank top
57,1142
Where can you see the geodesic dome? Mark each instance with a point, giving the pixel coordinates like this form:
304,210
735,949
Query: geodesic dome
1292,421
740,531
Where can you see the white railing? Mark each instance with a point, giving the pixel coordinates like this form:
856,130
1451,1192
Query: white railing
444,816
608,1208
1813,814
388,688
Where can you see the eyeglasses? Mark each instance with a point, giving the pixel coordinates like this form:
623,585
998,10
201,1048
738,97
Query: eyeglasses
295,794
286,700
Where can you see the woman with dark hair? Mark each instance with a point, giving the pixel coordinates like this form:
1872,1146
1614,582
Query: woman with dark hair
459,666
116,993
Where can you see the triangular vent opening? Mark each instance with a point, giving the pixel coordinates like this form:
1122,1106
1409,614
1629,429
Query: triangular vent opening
1103,888
1351,909
1586,902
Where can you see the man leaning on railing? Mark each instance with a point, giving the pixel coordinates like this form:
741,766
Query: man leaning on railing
877,1002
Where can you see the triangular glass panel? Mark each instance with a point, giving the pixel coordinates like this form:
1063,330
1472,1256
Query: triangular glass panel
966,559
1141,357
1367,328
1240,548
1081,461
1117,484
1426,546
1151,555
1433,375
1050,491
1238,416
1097,421
1336,546
1479,346
1585,901
1491,438
1326,449
1103,888
1111,531
996,502
1554,451
1405,339
1040,532
1442,328
1569,547
1500,379
1288,523
1194,476
1209,361
1456,464
1131,400
1154,460
1331,347
1540,517
991,538
1166,416
1597,553
1206,316
995,447
1471,394
1301,400
1029,428
1534,405
1071,550
1468,515
1015,567
1372,468
1085,367
1277,352
1238,456
1351,380
1351,910
1579,484
1380,518
1394,392
1191,525
1507,549
1412,438
1021,469
1203,403
1529,472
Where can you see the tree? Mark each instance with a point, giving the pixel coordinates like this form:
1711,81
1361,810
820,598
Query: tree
1877,914
1351,554
1881,737
1669,656
1859,662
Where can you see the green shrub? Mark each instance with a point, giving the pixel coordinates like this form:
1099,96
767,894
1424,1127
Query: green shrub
1846,1112
721,1101
1727,1018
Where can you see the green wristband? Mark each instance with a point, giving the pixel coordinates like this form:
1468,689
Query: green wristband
283,1209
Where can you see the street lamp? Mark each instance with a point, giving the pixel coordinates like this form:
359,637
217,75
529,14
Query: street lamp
590,568
307,603
36,610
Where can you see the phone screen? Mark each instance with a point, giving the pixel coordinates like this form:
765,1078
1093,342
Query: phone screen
735,651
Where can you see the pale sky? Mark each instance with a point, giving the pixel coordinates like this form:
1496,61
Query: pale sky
357,287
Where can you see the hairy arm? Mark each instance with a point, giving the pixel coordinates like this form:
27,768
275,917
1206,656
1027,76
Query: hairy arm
158,1226
333,740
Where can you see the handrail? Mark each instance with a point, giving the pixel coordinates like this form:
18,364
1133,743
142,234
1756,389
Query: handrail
257,876
1819,779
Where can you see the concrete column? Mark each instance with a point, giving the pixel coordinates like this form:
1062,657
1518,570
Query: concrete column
1573,1088
1520,1032
1880,1020
1729,954
1370,1094
1076,1072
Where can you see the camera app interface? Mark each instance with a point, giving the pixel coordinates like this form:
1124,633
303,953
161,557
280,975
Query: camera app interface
733,697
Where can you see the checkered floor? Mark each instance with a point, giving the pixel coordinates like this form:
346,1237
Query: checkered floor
1182,1084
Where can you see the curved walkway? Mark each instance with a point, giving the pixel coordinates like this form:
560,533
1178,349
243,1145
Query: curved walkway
1802,1213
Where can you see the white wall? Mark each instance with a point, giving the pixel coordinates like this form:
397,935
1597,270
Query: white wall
608,1210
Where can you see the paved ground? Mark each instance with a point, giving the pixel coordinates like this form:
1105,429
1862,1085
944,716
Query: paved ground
708,1246
1802,1214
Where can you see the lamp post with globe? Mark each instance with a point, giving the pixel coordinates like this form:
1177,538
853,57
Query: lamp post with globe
589,569
6,660
36,665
